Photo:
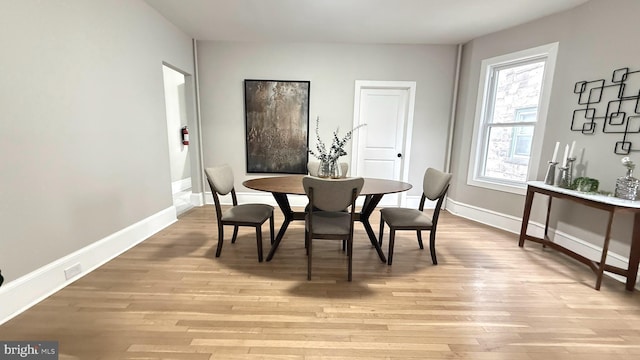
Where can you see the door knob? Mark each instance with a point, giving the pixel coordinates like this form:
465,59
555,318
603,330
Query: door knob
399,155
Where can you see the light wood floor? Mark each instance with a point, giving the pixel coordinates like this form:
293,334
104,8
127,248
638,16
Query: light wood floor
170,298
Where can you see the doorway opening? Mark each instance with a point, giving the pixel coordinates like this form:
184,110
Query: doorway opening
179,154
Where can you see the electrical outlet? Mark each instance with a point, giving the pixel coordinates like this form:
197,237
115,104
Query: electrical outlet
72,271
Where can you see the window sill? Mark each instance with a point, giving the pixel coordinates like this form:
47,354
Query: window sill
504,187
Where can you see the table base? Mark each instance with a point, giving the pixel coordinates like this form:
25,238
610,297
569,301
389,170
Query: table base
370,203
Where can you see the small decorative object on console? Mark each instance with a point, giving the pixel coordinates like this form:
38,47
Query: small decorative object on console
627,186
585,184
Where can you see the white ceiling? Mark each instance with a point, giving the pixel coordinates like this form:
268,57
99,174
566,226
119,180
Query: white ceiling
353,21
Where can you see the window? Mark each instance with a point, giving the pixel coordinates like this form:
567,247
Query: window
510,116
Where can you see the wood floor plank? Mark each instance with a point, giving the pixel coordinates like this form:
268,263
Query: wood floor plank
171,298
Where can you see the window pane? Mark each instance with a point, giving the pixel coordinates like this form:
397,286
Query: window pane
502,159
522,140
516,87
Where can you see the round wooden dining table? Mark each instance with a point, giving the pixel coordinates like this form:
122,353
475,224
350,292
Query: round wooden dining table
281,186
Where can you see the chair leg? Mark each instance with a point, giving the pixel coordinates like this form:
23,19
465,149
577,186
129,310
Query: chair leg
259,242
271,228
309,241
306,241
235,234
220,237
381,230
350,255
420,239
432,246
392,239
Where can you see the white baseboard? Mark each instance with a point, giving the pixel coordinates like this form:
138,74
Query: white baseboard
296,200
487,217
414,201
260,198
180,185
26,291
512,224
197,199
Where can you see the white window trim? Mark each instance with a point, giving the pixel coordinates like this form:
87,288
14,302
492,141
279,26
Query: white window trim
549,51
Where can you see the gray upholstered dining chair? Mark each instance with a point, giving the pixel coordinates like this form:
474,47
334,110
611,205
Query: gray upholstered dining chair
220,180
327,218
434,187
312,168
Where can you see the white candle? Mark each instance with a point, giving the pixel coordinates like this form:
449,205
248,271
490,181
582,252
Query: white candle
573,145
564,158
555,152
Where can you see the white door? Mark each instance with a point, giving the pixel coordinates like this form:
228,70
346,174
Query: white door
381,149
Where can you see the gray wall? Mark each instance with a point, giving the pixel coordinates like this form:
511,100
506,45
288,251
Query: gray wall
594,39
82,132
332,70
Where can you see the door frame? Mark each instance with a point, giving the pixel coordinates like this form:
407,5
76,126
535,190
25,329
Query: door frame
192,108
409,86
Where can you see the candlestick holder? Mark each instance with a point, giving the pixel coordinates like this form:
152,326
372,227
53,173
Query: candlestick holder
566,174
550,177
563,179
570,162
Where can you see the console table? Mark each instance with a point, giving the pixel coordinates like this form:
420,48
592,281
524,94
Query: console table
609,204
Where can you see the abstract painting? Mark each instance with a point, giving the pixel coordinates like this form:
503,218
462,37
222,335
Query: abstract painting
277,124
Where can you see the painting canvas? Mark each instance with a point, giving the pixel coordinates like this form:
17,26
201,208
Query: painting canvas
277,123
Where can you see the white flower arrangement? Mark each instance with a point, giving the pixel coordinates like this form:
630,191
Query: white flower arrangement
627,163
337,145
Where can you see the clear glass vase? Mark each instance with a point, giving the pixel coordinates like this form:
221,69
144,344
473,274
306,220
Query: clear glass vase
627,186
330,169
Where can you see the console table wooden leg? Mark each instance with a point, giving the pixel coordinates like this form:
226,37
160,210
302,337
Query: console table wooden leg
546,222
634,254
525,216
605,250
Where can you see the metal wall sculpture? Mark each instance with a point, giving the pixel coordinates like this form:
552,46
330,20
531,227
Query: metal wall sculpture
277,126
616,105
